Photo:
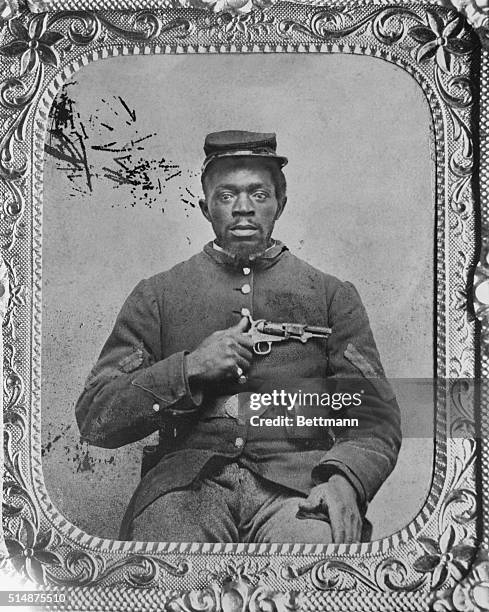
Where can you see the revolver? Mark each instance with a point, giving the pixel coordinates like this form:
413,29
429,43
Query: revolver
263,332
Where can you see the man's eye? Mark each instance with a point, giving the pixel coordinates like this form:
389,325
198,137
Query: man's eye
226,197
260,195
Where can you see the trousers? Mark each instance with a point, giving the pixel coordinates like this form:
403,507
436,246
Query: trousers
233,505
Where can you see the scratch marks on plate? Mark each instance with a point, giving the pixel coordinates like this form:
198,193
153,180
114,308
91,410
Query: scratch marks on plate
67,141
109,145
80,456
52,440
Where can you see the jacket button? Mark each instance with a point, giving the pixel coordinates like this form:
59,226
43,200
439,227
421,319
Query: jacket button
245,289
239,443
156,407
246,271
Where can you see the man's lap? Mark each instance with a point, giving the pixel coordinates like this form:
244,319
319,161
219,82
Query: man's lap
234,505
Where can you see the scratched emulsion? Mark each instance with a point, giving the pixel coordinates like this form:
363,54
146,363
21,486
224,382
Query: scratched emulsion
79,455
66,141
91,150
108,145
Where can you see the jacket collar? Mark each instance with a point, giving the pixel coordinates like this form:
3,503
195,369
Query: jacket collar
260,261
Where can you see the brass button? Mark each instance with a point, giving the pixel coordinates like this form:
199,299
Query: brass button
246,271
245,289
156,407
239,443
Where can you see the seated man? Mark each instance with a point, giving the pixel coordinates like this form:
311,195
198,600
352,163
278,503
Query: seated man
181,358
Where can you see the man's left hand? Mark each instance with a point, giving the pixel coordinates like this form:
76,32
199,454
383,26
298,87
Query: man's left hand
337,499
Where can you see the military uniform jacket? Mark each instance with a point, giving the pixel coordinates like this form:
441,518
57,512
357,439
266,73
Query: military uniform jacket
139,383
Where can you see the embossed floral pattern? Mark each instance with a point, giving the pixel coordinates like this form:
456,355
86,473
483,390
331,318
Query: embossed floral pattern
237,6
30,558
8,8
476,11
33,44
439,39
444,559
238,593
472,595
481,280
235,596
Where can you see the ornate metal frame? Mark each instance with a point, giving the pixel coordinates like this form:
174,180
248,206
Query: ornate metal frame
439,560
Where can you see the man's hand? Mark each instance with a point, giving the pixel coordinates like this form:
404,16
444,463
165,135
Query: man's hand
336,499
220,355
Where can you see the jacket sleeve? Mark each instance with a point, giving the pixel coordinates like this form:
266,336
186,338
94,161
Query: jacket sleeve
131,390
366,454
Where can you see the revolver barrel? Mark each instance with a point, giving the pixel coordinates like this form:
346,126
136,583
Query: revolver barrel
317,330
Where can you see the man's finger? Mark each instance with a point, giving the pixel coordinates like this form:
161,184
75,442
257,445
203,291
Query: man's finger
243,363
353,525
244,352
337,516
345,526
244,340
357,529
337,526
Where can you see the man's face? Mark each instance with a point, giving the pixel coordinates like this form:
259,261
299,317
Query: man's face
241,204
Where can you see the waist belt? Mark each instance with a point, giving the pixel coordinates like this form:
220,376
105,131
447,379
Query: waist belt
231,406
227,406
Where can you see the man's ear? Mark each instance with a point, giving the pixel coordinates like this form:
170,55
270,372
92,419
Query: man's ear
205,209
281,207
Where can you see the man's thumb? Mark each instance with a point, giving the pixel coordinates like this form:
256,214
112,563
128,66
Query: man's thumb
307,505
243,325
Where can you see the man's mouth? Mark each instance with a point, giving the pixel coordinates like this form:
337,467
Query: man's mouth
243,229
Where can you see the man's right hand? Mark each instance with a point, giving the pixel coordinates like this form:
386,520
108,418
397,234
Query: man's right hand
219,356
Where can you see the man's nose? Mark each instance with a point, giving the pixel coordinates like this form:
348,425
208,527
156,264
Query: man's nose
243,205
